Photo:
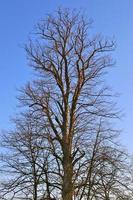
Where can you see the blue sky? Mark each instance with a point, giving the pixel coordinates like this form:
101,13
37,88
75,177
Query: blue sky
111,18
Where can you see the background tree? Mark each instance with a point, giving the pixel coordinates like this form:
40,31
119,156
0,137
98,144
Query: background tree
74,107
26,161
31,165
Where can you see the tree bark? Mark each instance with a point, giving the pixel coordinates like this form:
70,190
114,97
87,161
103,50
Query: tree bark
67,189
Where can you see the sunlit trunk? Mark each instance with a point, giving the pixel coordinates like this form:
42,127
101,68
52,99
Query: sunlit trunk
67,189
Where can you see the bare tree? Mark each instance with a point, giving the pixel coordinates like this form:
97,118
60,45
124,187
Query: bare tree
74,107
26,160
34,173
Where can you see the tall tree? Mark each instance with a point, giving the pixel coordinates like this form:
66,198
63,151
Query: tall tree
70,97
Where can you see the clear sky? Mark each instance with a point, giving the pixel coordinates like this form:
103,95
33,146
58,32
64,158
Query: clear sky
111,18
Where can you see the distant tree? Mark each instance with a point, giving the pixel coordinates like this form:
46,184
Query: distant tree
26,161
31,164
74,111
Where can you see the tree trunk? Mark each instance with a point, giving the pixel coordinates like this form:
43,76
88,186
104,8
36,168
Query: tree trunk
67,190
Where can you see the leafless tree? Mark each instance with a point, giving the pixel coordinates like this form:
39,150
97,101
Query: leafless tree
32,165
74,109
25,161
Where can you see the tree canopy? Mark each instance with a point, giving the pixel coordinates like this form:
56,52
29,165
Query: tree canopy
64,144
